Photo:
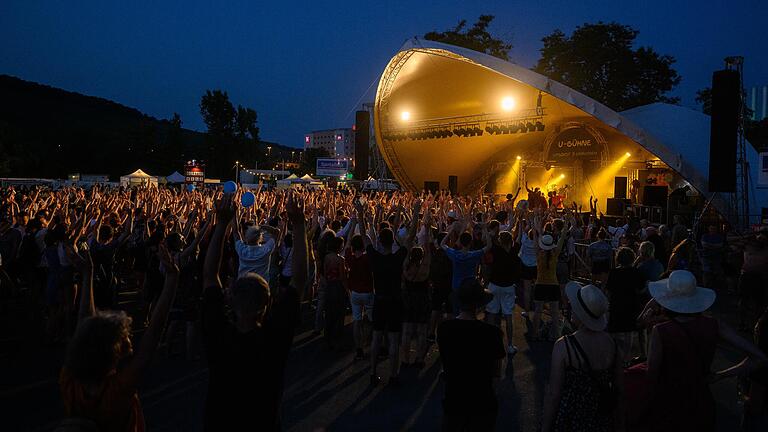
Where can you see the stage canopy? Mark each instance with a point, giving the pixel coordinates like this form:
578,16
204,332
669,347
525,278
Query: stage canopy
449,117
137,178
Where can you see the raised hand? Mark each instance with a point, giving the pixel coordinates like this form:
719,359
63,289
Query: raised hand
295,209
225,209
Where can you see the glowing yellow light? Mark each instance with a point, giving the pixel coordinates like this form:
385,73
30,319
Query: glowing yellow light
627,154
405,116
562,175
518,158
507,104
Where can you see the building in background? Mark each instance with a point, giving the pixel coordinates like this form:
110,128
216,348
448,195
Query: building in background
757,101
339,143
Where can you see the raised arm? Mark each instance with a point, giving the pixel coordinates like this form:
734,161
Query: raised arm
224,214
295,210
83,263
152,335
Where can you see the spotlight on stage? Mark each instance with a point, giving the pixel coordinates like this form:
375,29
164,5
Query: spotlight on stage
507,104
518,158
562,176
627,154
405,116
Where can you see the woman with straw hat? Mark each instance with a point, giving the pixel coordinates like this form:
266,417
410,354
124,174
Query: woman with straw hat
586,378
681,352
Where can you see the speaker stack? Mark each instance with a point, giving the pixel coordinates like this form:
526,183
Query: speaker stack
726,86
362,140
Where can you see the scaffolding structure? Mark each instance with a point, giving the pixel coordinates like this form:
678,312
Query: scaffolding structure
739,204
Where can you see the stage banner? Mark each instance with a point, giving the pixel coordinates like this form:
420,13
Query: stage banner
332,167
574,141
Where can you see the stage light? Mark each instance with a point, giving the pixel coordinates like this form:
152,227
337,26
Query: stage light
627,154
562,176
507,104
513,128
518,158
405,116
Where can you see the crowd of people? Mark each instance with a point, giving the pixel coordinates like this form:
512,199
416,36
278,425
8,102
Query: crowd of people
634,338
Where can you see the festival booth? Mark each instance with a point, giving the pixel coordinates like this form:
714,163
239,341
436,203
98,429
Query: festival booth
502,126
175,178
287,182
138,178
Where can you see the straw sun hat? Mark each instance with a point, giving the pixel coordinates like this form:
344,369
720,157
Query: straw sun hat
589,304
680,294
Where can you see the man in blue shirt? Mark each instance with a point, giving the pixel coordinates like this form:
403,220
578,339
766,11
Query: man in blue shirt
463,260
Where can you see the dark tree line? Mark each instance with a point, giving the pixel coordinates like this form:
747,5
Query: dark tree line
599,60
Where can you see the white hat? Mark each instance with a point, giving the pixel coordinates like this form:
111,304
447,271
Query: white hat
452,214
589,304
680,294
546,242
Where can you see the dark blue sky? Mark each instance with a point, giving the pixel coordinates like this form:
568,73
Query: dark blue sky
305,65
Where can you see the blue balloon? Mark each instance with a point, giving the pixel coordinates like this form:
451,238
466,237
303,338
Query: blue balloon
190,187
230,187
248,199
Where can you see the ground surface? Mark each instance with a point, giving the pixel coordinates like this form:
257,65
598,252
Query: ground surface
323,389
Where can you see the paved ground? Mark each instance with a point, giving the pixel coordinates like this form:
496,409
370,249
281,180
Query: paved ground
323,390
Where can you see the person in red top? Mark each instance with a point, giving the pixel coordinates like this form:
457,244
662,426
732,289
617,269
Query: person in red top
360,284
681,352
101,372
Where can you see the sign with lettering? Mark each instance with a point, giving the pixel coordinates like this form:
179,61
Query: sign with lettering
574,142
194,173
332,167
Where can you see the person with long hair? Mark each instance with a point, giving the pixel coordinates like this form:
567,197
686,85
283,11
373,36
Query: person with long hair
101,371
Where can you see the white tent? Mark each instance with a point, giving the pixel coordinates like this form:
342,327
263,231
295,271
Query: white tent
307,178
137,178
176,177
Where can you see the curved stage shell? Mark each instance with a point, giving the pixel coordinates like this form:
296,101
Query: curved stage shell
446,117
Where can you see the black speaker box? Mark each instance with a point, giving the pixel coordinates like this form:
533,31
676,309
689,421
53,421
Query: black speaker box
620,187
726,87
617,206
362,139
655,196
453,184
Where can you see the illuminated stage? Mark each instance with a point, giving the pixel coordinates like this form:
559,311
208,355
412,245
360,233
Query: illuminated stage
446,117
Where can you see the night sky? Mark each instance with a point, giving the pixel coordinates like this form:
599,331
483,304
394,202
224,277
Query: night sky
305,65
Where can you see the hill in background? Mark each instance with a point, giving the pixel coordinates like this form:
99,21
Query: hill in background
50,132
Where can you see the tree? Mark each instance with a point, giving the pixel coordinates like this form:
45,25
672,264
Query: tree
599,60
704,98
218,113
476,38
247,135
